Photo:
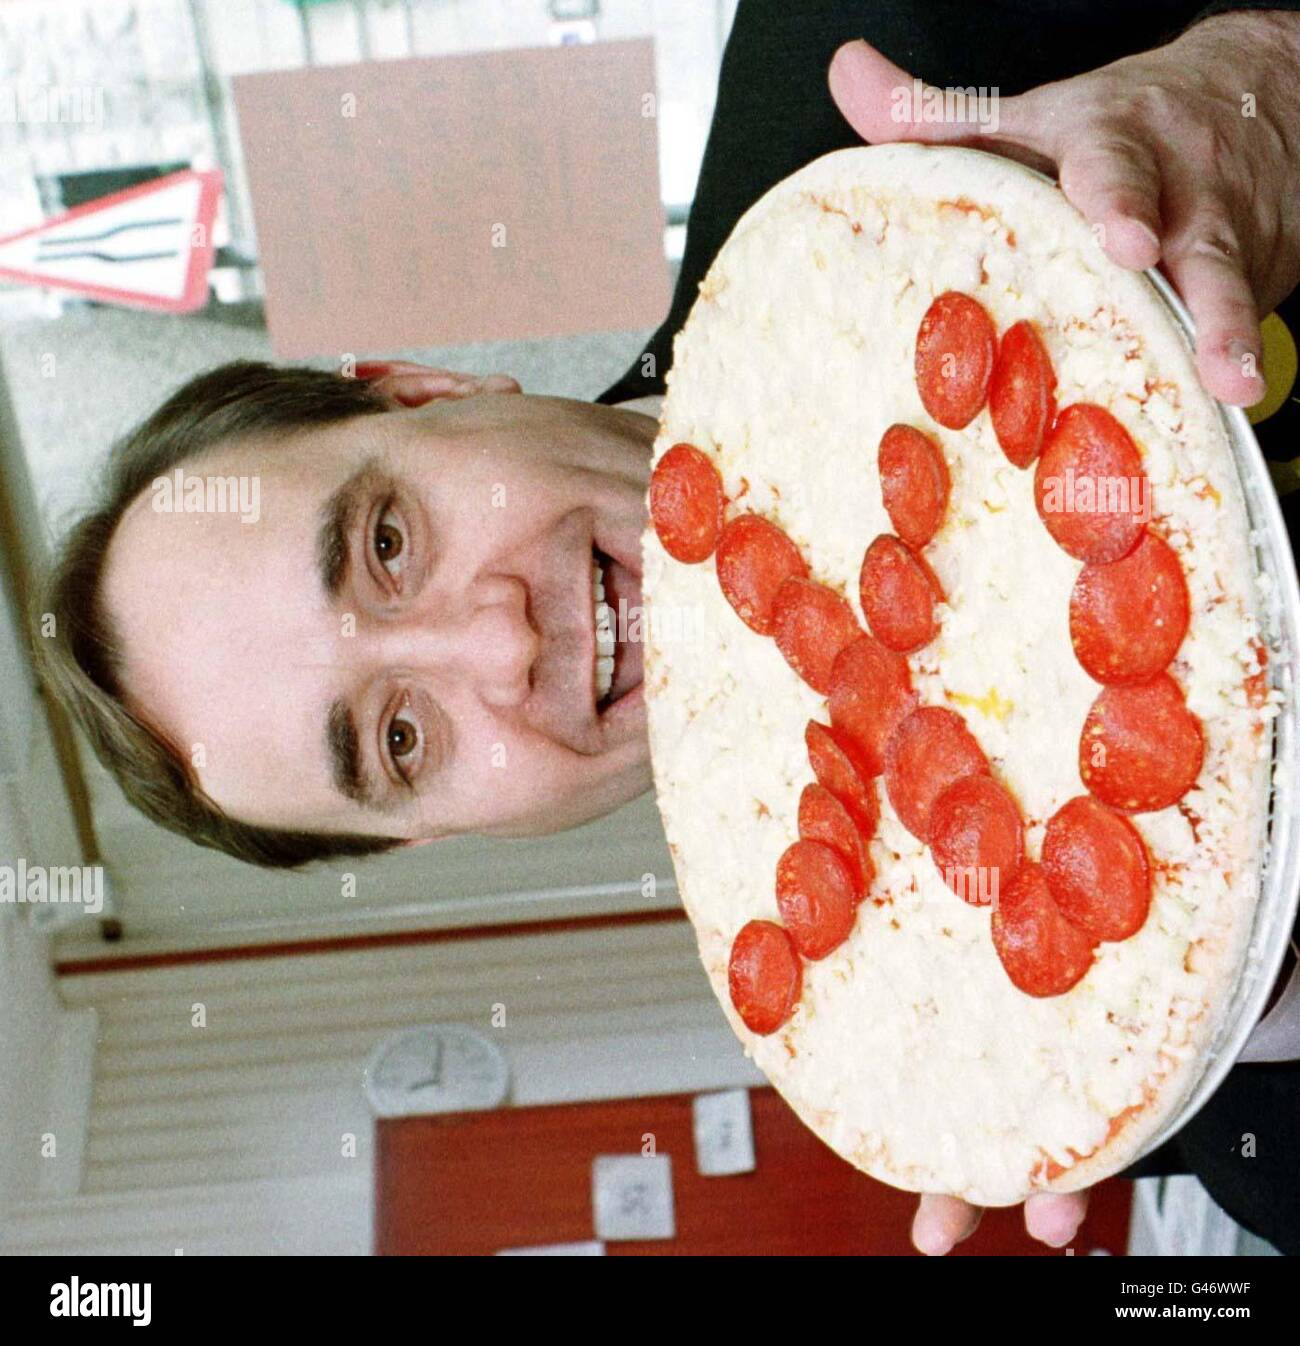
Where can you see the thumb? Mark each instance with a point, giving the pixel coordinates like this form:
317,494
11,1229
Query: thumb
883,103
876,98
942,1222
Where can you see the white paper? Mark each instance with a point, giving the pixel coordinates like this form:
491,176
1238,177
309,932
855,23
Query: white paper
724,1133
632,1196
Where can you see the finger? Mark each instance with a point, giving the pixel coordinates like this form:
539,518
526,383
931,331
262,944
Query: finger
1054,1217
375,369
414,390
1204,262
883,103
880,99
1114,183
942,1222
440,382
419,385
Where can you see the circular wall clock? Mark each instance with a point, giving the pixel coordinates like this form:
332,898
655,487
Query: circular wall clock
436,1068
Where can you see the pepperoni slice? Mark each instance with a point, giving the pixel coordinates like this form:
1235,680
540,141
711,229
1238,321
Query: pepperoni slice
839,769
871,694
755,558
1096,869
1141,748
1041,951
686,500
1022,390
823,818
812,624
955,348
977,839
914,483
1128,617
898,592
764,976
930,750
1089,486
815,896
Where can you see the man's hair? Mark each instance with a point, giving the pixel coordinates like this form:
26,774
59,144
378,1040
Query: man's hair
80,660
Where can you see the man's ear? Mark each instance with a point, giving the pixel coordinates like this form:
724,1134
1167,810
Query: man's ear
412,385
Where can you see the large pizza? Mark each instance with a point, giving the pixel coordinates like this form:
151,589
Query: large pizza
956,687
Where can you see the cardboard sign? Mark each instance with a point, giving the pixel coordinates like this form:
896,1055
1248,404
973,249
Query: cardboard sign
437,201
147,247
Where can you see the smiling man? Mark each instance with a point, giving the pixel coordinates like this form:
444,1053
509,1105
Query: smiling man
414,639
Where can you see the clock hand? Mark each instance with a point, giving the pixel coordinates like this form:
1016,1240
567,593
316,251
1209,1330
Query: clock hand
436,1078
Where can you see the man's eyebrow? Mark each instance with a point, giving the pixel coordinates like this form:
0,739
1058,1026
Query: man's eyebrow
344,748
350,777
336,517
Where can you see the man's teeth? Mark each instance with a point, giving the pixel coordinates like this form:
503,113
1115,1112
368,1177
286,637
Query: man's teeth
604,621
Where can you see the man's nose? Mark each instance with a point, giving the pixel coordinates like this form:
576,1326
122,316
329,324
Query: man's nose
483,638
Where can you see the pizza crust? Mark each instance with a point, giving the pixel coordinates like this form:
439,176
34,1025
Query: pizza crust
913,1056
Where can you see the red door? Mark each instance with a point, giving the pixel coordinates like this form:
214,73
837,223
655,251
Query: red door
521,1177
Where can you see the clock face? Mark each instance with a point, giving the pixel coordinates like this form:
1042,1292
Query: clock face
441,1068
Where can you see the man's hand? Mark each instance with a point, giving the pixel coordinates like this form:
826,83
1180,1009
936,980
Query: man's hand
1187,156
942,1222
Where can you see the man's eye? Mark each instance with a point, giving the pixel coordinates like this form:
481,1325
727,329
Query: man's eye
389,543
402,738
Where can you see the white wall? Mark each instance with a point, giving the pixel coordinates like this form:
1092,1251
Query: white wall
229,1138
44,1072
44,1049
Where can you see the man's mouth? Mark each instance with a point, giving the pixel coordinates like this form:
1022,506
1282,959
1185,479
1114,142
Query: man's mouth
617,620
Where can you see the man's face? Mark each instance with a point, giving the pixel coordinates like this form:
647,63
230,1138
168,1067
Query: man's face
403,643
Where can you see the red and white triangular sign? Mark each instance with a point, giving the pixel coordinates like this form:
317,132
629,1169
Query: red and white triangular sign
147,247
